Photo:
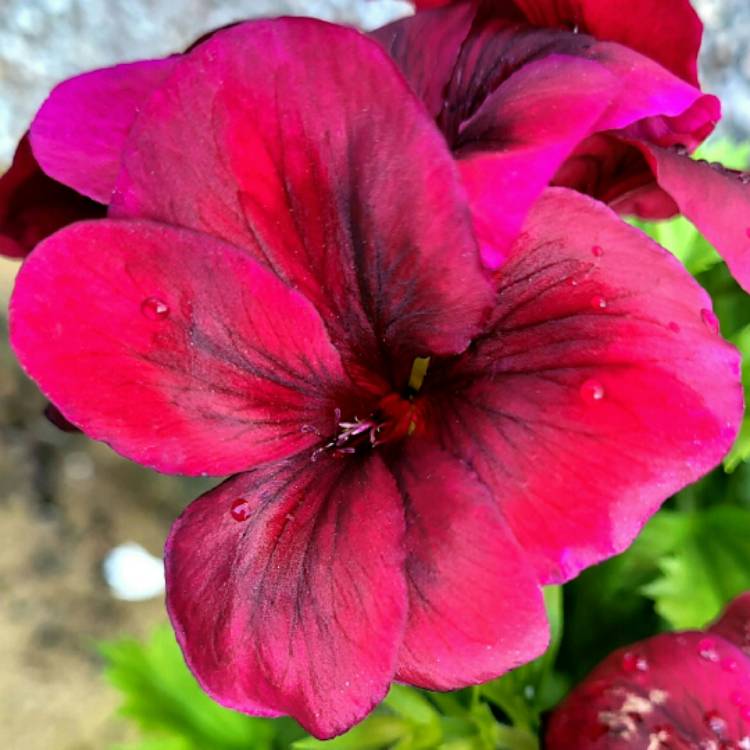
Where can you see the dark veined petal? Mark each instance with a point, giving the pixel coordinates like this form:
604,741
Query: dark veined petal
668,31
677,690
286,589
33,205
516,101
475,607
79,133
601,387
518,153
327,169
175,348
443,32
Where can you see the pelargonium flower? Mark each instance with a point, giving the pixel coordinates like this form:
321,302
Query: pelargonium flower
289,290
675,691
600,97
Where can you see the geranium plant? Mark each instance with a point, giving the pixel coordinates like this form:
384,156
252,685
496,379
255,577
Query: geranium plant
394,302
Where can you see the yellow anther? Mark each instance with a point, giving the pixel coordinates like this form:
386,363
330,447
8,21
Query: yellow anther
418,372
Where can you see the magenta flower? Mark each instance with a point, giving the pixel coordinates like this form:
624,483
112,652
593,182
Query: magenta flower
65,167
675,691
289,290
600,97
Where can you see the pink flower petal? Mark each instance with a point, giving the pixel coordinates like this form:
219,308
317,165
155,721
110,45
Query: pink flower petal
529,131
668,31
601,387
607,167
299,608
326,168
33,206
734,624
505,102
444,32
675,690
475,608
716,200
79,133
176,349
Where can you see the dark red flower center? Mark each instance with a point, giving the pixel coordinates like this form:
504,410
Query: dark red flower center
396,416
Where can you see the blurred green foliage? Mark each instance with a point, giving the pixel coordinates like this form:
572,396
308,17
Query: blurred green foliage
689,561
164,700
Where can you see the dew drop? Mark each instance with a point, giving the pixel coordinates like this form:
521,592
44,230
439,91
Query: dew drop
707,649
737,698
154,308
597,251
240,509
710,319
674,327
631,663
729,665
572,281
715,722
598,302
592,390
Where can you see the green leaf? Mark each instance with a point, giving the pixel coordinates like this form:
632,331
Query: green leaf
708,565
163,698
373,733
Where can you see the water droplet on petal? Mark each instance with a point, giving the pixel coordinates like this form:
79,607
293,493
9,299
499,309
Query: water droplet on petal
597,251
631,662
729,665
592,390
715,722
737,698
154,308
240,509
674,327
710,319
707,649
598,302
572,281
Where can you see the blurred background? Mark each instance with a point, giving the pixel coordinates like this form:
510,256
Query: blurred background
66,503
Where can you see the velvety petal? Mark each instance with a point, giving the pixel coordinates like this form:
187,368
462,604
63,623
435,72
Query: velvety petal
734,624
676,690
175,348
442,32
607,167
716,200
668,31
325,167
79,133
475,607
299,609
504,101
600,388
33,206
517,147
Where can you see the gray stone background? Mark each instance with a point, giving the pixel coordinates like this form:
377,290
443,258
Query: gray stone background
66,501
44,41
